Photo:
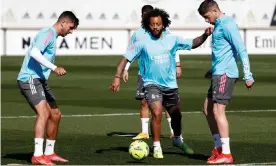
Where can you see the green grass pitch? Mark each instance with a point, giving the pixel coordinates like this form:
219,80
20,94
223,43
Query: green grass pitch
103,133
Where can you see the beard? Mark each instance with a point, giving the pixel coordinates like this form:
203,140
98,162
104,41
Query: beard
156,33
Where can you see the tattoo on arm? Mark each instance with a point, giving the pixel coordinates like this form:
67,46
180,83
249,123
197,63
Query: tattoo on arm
120,67
199,40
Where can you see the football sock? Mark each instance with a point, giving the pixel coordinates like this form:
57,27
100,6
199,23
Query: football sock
170,125
178,139
145,125
50,144
225,145
156,144
38,150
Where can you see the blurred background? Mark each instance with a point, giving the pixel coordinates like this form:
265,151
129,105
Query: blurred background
106,25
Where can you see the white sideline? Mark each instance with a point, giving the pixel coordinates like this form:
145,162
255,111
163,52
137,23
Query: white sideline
268,163
128,114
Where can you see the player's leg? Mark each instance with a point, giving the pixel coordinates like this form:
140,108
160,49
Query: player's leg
169,119
171,102
52,125
208,112
144,111
33,91
224,89
154,99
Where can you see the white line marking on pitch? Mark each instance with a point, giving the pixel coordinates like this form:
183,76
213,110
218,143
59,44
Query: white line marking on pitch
269,163
128,114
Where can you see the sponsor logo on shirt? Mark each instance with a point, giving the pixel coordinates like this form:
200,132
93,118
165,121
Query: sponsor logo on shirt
160,59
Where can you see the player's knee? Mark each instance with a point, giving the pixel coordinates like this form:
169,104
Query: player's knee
156,114
144,104
175,111
56,114
43,113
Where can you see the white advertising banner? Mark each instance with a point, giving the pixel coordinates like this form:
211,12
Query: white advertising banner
261,41
1,43
96,42
114,42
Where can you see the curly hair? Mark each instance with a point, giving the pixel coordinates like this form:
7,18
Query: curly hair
155,13
206,5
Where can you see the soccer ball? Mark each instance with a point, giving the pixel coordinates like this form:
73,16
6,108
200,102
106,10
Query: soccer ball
138,150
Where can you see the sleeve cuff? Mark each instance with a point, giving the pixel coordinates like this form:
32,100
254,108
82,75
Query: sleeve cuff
127,66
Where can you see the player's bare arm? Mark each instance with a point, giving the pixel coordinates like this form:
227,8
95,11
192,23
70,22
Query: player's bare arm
120,66
201,39
115,85
125,73
178,70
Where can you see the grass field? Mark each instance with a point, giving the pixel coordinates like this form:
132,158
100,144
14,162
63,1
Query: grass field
96,128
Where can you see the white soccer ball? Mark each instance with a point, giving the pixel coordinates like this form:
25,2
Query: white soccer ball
138,150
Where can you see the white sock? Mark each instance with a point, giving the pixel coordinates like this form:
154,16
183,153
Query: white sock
170,124
225,145
38,150
156,145
217,140
178,139
145,125
49,149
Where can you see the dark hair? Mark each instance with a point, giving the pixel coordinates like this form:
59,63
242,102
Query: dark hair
155,13
71,16
206,5
146,8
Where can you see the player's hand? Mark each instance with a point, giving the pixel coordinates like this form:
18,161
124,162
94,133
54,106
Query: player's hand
60,71
125,76
208,74
249,83
209,31
178,72
115,85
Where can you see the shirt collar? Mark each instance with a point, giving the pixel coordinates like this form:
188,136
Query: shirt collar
54,31
220,19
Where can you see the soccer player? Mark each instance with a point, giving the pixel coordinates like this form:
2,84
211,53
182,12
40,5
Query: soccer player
140,94
157,51
226,45
32,81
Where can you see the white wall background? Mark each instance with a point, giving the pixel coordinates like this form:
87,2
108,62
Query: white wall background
188,23
248,12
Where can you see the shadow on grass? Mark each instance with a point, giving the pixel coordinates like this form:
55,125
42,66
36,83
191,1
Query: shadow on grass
19,156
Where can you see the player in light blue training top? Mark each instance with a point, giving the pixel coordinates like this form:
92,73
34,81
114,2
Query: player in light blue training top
227,45
140,93
159,65
159,74
45,42
32,81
